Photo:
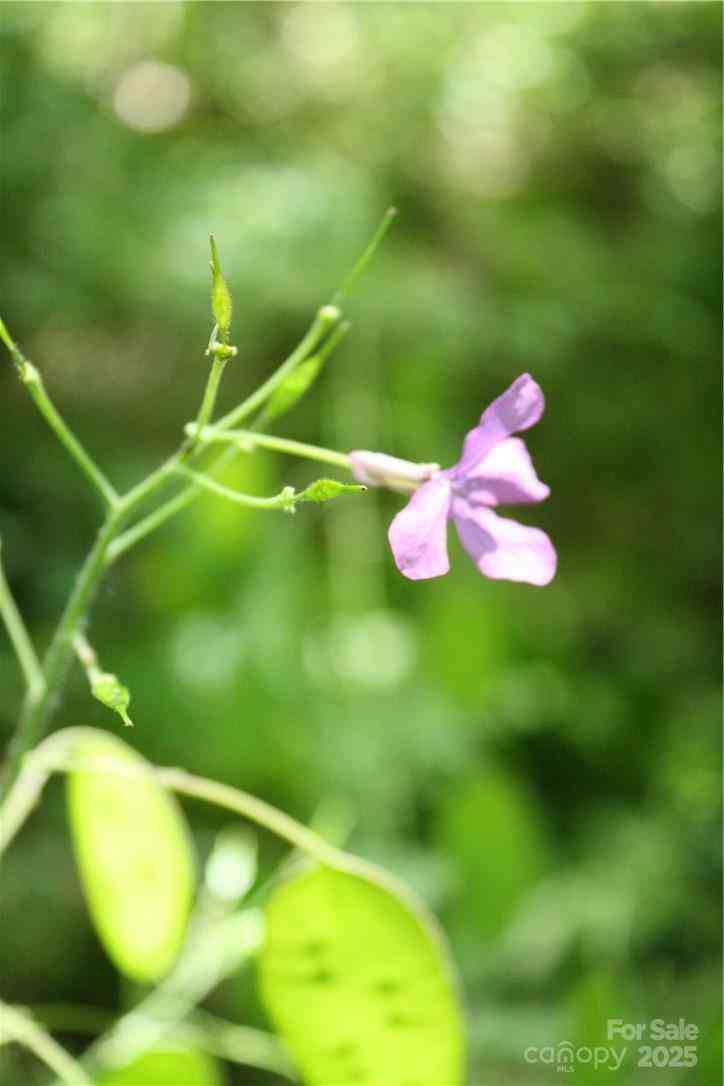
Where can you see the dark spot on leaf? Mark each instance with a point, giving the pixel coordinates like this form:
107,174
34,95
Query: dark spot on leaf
396,1018
312,946
343,1049
319,976
387,986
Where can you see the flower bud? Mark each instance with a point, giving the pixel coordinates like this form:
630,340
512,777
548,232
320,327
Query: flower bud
111,693
379,469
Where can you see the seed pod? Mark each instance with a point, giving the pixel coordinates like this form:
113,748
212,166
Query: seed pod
133,853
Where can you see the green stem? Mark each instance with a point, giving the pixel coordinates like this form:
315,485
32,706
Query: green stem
32,380
226,1040
212,387
15,1025
324,321
58,754
149,523
36,711
256,810
277,501
343,291
20,640
250,438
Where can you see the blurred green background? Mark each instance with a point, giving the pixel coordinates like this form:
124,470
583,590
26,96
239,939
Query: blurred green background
542,765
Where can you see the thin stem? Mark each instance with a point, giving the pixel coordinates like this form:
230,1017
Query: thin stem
15,1025
248,439
159,516
348,283
324,321
32,380
149,524
19,638
57,754
330,344
277,501
211,953
256,810
212,387
238,1044
152,482
36,711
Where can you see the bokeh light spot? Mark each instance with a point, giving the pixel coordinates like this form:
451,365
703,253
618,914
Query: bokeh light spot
152,97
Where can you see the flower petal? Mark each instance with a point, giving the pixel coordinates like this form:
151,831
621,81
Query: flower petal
418,534
518,408
502,548
505,476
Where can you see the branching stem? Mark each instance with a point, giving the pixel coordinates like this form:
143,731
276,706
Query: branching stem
16,1025
249,439
32,380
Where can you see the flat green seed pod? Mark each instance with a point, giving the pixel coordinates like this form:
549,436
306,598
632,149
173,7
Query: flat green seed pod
355,976
133,853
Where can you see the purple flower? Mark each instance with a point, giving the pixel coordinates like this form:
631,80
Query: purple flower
494,469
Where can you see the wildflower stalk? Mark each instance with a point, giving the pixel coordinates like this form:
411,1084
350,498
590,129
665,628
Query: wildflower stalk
32,380
327,317
248,440
283,500
36,711
374,243
207,404
111,541
20,639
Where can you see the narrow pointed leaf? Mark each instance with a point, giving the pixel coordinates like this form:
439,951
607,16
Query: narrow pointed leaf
133,853
220,296
357,981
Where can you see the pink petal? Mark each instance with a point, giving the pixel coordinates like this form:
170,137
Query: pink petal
505,476
518,408
502,548
418,534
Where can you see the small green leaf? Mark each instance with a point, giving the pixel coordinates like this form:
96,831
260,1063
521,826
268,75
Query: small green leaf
166,1068
355,976
133,853
112,693
323,490
293,388
220,297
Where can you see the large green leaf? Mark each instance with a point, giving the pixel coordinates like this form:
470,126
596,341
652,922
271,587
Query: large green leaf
133,853
357,981
166,1068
